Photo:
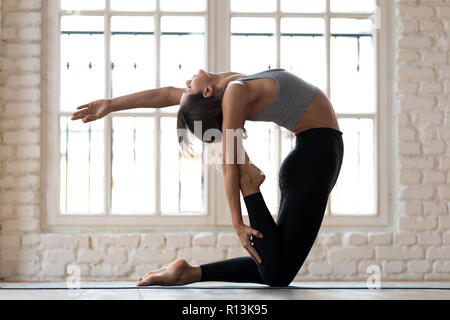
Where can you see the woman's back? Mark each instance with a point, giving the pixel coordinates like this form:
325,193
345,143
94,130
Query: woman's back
293,97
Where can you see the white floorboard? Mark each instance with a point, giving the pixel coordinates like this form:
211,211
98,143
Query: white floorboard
227,294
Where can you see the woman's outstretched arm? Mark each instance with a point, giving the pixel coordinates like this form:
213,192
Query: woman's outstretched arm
154,98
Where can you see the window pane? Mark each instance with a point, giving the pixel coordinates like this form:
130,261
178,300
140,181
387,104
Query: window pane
133,165
82,61
253,5
182,51
303,6
133,5
82,4
132,24
296,35
183,5
352,5
132,56
183,187
352,66
81,167
253,47
351,26
260,146
82,23
355,189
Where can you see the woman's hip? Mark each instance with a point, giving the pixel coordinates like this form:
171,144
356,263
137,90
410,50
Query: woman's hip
315,161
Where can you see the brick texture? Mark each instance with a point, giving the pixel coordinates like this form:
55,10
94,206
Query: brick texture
415,247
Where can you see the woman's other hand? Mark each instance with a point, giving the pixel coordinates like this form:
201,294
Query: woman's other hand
245,234
93,111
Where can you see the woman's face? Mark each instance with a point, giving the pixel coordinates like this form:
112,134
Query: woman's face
196,84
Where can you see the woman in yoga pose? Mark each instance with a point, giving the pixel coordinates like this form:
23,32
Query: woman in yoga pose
224,101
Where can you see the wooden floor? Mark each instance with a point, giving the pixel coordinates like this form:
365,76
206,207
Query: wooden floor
228,294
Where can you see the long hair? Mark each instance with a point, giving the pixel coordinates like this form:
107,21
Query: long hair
206,111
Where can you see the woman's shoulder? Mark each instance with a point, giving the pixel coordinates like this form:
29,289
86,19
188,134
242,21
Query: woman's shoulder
236,90
236,97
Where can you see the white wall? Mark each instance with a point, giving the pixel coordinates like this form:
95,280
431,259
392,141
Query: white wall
417,249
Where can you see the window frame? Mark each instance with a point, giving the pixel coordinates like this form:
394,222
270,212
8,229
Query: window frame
51,114
218,20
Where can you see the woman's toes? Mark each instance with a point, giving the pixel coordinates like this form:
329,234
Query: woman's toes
146,281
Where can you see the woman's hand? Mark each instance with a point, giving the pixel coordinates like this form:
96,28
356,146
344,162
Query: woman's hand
93,110
246,234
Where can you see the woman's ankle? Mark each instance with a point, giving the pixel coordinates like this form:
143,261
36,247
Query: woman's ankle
195,274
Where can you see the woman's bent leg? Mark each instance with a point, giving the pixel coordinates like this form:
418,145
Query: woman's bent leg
244,269
241,269
283,248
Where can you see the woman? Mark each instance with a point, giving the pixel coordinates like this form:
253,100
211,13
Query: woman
224,101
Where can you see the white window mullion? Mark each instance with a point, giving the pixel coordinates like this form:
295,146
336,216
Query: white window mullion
376,173
328,71
108,119
271,14
157,111
209,34
328,47
278,159
356,115
278,34
227,31
158,161
277,131
350,15
222,59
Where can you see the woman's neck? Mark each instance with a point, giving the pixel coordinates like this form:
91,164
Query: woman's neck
221,80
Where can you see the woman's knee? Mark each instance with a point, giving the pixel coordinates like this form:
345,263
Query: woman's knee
277,281
277,277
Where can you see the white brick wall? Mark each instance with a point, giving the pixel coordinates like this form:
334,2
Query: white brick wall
418,249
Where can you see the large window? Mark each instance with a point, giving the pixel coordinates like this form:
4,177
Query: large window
127,169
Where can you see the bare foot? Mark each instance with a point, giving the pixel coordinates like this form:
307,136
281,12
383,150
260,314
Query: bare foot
179,272
250,178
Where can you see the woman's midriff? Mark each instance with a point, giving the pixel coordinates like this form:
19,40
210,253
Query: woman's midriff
319,113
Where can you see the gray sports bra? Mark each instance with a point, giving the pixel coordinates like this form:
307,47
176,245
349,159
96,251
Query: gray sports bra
293,97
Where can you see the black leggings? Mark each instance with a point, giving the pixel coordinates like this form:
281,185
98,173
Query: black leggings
307,176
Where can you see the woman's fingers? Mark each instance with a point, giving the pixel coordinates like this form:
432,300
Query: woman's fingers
245,233
256,233
79,115
253,253
80,112
83,106
89,118
248,245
